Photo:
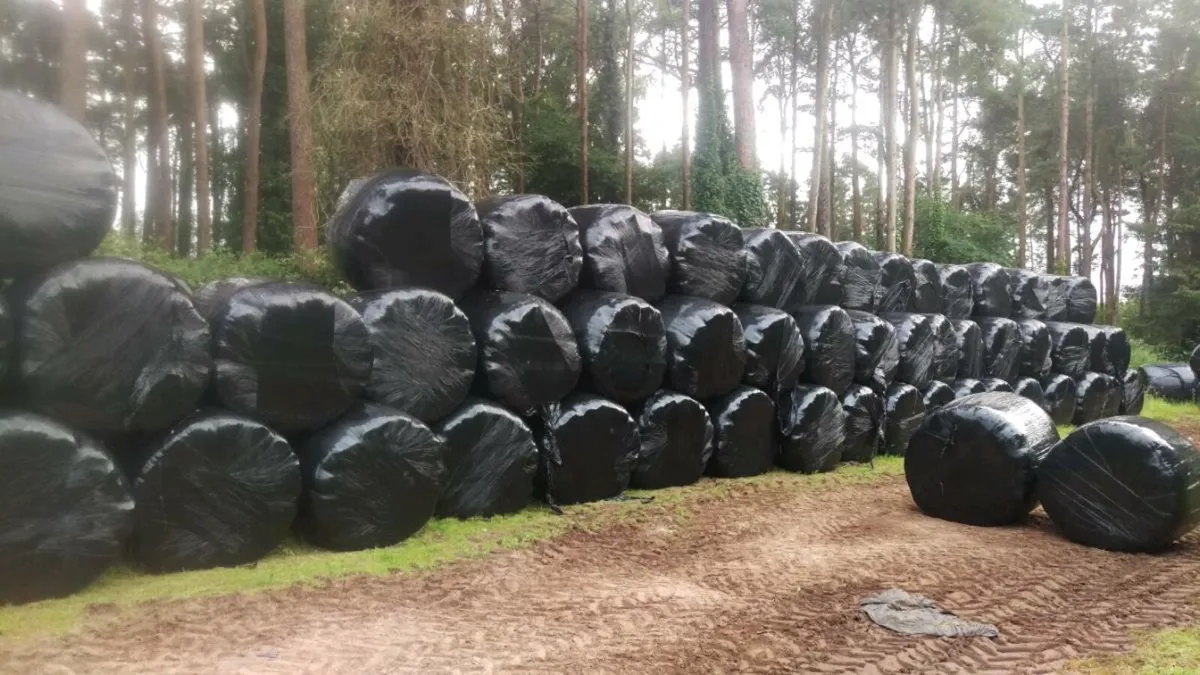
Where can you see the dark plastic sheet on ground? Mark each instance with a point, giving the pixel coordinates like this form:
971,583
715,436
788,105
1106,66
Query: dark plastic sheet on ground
1133,391
589,448
877,352
975,460
290,355
990,285
58,191
1091,395
1117,351
491,460
67,509
991,384
219,491
623,251
111,346
210,298
1034,360
958,291
927,298
863,411
528,356
967,386
371,479
1070,348
1061,392
937,394
1028,294
707,258
813,429
829,346
774,270
903,412
860,277
1001,347
745,443
897,284
821,266
530,245
676,441
946,353
970,346
918,346
1032,390
706,347
622,344
1124,484
1171,381
402,228
774,348
424,351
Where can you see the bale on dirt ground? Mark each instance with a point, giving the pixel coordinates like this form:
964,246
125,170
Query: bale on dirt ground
1031,389
812,427
821,266
402,228
1034,359
1070,348
58,191
1001,347
774,348
829,346
1091,395
530,245
707,258
744,431
528,356
706,347
992,384
1123,484
863,412
897,284
860,277
111,346
622,344
969,339
219,491
903,412
946,353
1061,392
210,298
974,461
67,509
1117,351
927,297
1170,381
371,479
1028,291
990,286
958,291
774,270
918,346
290,355
877,352
623,251
676,441
491,460
937,394
1133,391
589,448
424,351
967,386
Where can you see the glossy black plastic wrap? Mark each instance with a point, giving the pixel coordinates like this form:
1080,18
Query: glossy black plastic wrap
927,297
530,245
744,438
1117,351
967,386
1116,396
1091,395
1081,300
676,441
371,479
58,191
111,346
897,285
990,287
1070,348
774,270
67,509
946,353
623,251
290,355
975,461
7,333
424,351
812,429
860,277
1002,345
970,347
1031,389
1133,391
937,394
528,356
1123,484
1034,360
1097,349
1060,391
219,491
707,256
1170,381
918,345
490,458
210,298
402,228
876,352
589,448
1028,291
863,412
992,384
821,265
774,348
622,344
706,347
903,412
958,291
829,346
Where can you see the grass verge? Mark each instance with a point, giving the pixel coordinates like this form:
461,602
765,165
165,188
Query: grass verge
1170,651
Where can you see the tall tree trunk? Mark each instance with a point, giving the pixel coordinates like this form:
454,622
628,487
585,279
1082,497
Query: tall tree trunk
217,167
129,143
187,176
914,127
741,61
708,70
150,214
200,125
1158,206
785,182
830,214
1090,191
928,103
939,118
1064,230
72,95
581,56
856,226
1107,258
685,79
795,89
893,79
304,190
824,19
1048,200
1022,188
254,130
629,103
163,227
955,91
881,156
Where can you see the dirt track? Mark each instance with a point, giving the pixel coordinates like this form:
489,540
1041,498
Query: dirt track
766,580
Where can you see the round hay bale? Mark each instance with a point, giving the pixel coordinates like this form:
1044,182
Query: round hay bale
821,266
1117,351
589,448
1170,381
774,270
774,348
622,343
937,394
1001,347
877,351
1034,359
918,346
927,297
863,412
1115,398
860,277
969,338
946,353
1098,349
903,412
744,429
966,386
813,429
897,284
1091,397
958,292
990,286
1028,291
1081,300
1061,392
706,347
1195,361
1032,390
623,251
707,258
210,298
676,441
829,346
530,245
490,459
991,384
1133,391
1071,348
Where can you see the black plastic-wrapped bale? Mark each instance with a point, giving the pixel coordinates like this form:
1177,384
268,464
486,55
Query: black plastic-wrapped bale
1122,484
706,347
897,284
1031,389
745,443
424,351
530,245
1170,381
975,460
946,353
812,428
1195,361
1081,300
676,441
210,298
1002,345
829,346
528,356
821,265
589,448
58,191
623,251
958,291
491,460
111,346
863,412
1028,291
774,348
402,228
1060,391
860,277
1070,348
219,491
774,270
7,330
1133,391
967,386
1116,396
903,412
1091,395
877,352
990,285
67,509
1117,351
290,355
927,297
1097,349
1034,360
969,338
918,345
937,394
992,384
622,344
707,258
371,479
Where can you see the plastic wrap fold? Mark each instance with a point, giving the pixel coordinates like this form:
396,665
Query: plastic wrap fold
1034,360
490,458
774,348
927,297
1029,290
589,448
745,442
775,274
1098,361
877,351
946,353
903,412
1061,398
990,286
1117,351
706,347
860,277
1070,348
970,347
676,441
1002,344
821,267
530,245
1170,381
622,344
1091,397
1133,391
918,345
623,251
991,384
967,386
812,429
897,285
937,394
863,412
707,256
210,298
958,291
1031,389
829,346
